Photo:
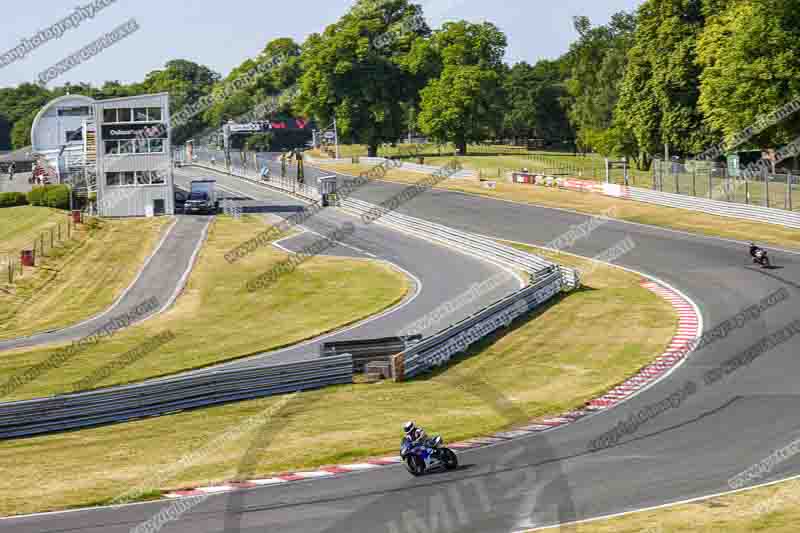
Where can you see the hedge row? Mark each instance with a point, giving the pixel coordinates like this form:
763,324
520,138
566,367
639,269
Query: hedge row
50,196
12,199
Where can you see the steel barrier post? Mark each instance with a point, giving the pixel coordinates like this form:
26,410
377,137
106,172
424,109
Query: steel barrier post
766,188
710,183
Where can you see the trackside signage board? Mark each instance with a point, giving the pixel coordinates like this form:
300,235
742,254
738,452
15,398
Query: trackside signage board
125,132
267,125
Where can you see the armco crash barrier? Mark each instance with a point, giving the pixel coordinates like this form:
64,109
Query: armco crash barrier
440,348
366,351
546,280
119,404
475,245
722,208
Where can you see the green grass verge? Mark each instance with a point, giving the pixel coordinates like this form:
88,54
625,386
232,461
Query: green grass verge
539,366
216,319
19,226
79,277
775,508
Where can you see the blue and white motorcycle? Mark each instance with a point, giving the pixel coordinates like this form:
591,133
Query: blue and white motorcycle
420,459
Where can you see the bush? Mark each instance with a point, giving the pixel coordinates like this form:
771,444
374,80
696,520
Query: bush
57,196
12,199
50,196
35,197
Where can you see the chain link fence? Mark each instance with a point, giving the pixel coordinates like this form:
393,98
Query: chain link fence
718,182
702,179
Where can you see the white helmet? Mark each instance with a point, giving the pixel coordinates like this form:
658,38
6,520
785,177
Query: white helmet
409,426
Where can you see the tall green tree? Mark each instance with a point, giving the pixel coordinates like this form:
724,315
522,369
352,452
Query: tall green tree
465,104
230,105
283,54
534,96
660,91
21,131
353,73
186,82
751,67
18,107
270,94
115,89
595,66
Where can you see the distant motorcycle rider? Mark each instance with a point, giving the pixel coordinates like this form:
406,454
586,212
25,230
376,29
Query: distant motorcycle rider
759,255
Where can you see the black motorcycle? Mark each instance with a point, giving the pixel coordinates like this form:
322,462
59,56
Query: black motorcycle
760,257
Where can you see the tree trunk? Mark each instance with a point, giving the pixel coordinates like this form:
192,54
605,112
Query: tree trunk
372,150
645,162
461,146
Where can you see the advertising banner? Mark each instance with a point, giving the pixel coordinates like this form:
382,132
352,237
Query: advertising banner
127,132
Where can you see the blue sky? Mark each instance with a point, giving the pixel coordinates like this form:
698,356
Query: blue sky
222,34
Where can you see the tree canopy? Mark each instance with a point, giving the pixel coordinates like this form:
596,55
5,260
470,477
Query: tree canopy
465,104
750,68
661,86
353,74
686,73
535,97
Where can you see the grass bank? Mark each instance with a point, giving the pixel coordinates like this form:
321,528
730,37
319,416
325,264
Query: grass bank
78,278
775,508
539,365
216,319
595,204
19,226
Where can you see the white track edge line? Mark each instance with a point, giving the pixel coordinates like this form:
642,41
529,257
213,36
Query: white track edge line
113,306
662,506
